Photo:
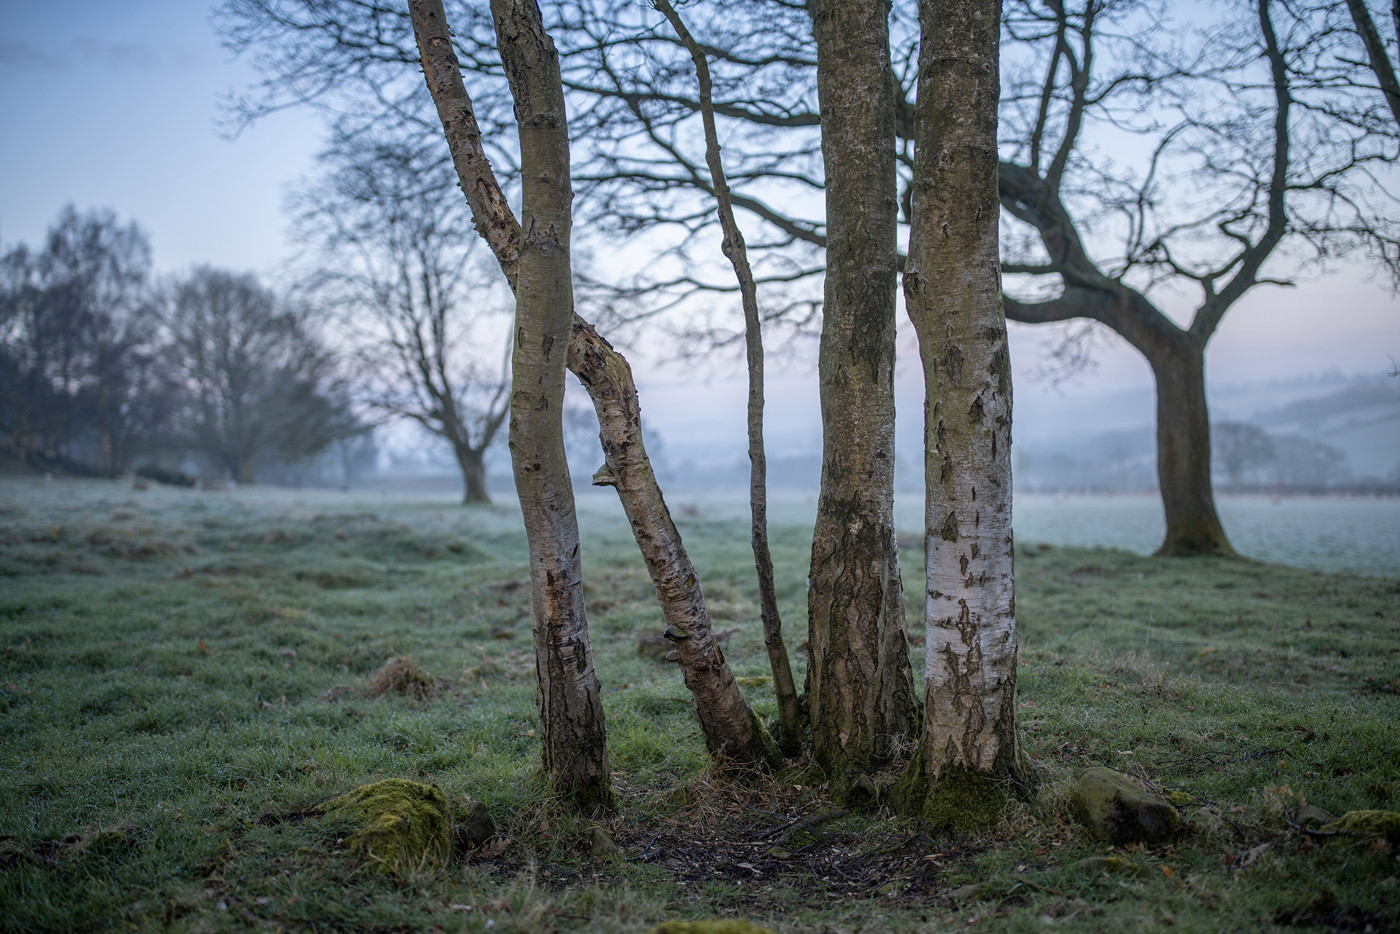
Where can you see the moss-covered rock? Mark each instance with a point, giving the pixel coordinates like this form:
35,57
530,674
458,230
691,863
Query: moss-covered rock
720,926
1116,809
1368,824
402,824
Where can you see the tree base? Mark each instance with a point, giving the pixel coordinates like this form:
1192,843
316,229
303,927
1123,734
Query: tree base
589,799
1195,545
958,801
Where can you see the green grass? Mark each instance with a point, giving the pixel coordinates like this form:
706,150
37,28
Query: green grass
181,683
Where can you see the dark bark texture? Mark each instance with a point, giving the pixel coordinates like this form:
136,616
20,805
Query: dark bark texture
859,683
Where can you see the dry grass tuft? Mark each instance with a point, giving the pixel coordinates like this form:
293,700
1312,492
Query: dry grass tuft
402,675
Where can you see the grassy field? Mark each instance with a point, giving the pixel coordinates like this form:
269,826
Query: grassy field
184,679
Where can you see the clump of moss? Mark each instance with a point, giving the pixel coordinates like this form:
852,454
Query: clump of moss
722,926
402,675
958,801
403,825
1369,824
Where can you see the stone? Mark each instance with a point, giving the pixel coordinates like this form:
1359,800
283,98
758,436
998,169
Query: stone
600,845
1313,817
963,893
1115,808
473,827
402,825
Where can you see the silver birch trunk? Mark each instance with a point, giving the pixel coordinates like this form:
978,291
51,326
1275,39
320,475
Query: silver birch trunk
952,285
570,705
861,697
732,732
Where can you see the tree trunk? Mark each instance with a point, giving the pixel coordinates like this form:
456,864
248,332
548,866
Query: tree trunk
1376,54
952,288
571,710
860,686
592,360
734,248
732,732
1183,448
244,473
473,466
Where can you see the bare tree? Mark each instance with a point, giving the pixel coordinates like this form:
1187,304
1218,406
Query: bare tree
258,384
83,378
1238,173
969,753
731,730
860,685
396,257
789,710
1141,157
1240,446
1377,58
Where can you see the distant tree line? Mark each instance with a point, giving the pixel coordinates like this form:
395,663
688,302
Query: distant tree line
104,370
1248,457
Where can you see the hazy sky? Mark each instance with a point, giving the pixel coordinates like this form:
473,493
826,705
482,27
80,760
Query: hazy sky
114,104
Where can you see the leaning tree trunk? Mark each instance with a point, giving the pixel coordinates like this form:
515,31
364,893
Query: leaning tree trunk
729,728
860,686
952,289
571,710
732,731
1183,447
473,465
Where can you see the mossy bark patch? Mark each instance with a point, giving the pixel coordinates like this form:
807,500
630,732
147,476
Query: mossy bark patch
1369,824
723,926
403,824
1116,809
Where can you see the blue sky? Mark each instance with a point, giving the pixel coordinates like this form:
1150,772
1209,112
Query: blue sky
115,104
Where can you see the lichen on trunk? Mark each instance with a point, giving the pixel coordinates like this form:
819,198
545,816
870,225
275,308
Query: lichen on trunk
969,751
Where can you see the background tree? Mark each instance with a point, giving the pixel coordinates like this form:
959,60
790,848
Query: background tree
1200,154
1378,57
1247,160
1306,463
258,384
1240,447
396,258
83,378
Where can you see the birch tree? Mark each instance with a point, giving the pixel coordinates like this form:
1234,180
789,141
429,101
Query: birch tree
952,287
732,732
